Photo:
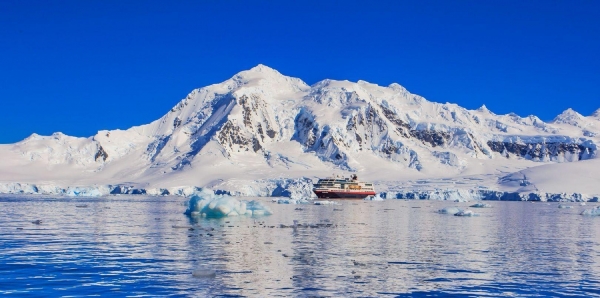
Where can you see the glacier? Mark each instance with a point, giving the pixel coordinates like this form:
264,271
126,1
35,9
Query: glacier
262,133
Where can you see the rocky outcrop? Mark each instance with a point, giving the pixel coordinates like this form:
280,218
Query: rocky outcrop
231,136
100,154
543,150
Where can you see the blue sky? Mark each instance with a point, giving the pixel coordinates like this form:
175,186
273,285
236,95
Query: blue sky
83,66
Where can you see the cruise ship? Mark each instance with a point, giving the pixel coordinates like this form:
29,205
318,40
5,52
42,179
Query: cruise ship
343,188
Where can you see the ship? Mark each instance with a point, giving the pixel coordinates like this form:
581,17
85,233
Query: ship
343,188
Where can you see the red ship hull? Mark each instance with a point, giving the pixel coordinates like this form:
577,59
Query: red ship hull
344,194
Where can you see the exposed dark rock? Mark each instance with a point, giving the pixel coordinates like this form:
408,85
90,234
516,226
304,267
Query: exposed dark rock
248,108
358,139
401,126
100,154
431,137
176,122
476,145
230,134
539,150
256,145
260,131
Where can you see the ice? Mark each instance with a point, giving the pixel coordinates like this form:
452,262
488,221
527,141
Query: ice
592,212
326,203
450,210
465,213
481,205
206,204
291,201
564,206
376,197
83,192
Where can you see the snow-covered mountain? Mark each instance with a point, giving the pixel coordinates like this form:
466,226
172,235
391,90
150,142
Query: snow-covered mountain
258,131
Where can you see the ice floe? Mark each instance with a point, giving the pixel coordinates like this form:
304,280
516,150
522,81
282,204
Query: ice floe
457,211
449,210
326,203
291,201
465,213
481,205
592,212
206,204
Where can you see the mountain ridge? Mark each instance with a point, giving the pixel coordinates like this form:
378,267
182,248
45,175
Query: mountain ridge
262,124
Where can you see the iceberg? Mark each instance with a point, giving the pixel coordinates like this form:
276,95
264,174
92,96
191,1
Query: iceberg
592,212
325,203
481,205
291,201
465,213
450,210
206,204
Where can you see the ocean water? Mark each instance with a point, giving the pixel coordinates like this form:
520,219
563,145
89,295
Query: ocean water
145,246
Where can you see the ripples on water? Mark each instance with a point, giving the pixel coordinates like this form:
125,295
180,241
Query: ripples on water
142,246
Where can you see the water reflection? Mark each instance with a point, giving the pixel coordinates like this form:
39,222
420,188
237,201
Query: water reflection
146,246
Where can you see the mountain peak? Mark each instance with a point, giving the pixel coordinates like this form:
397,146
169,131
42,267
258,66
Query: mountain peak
484,109
269,77
568,114
260,70
596,113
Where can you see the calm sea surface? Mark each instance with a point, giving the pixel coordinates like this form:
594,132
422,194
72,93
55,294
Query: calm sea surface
143,246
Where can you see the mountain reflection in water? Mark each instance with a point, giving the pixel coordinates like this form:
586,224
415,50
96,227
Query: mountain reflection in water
135,245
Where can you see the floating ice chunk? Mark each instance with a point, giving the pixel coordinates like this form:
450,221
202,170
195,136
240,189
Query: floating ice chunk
465,213
592,212
481,205
205,203
291,201
564,206
450,210
326,203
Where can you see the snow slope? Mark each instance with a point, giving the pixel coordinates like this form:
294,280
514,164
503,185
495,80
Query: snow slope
261,132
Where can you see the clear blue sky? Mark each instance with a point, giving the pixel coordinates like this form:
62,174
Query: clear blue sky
83,66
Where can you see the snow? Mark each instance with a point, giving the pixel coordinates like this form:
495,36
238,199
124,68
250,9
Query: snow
262,133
